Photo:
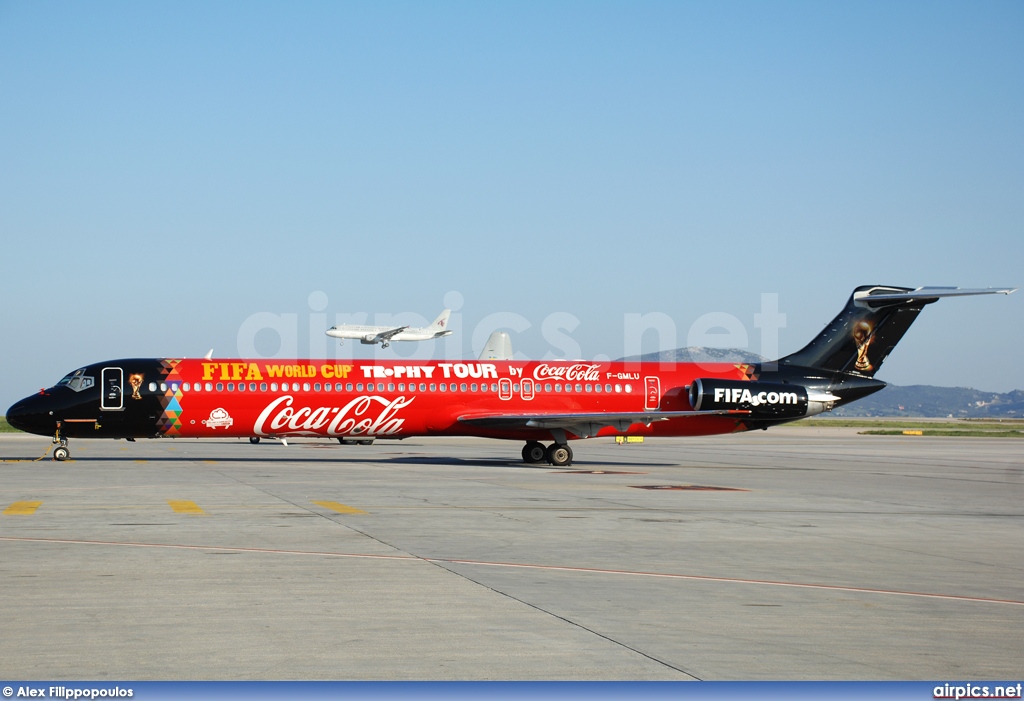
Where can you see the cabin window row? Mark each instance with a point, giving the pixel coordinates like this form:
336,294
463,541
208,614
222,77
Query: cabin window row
380,387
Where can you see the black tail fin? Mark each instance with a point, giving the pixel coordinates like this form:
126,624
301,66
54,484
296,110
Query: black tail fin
869,327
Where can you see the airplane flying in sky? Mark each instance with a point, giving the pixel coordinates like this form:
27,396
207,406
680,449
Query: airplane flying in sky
551,401
384,335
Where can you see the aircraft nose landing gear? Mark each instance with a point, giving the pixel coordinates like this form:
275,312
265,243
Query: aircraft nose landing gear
61,452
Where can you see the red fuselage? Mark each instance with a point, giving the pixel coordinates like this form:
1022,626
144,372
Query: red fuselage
396,399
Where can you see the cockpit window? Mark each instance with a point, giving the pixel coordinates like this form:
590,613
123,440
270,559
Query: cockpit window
67,378
76,380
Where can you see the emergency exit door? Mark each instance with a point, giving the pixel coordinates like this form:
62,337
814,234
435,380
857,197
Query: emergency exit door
505,389
652,398
526,387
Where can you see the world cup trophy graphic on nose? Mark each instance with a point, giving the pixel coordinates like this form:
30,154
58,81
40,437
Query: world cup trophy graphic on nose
136,382
863,337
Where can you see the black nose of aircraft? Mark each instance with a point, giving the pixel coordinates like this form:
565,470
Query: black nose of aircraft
30,415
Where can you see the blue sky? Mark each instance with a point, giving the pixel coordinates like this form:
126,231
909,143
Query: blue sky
168,171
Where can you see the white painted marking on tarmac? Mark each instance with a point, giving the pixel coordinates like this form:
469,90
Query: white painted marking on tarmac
555,568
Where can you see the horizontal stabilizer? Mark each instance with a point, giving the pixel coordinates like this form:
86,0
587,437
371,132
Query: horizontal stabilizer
884,296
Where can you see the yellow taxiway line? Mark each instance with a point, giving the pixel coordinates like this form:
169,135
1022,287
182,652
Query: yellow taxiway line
340,508
181,506
22,508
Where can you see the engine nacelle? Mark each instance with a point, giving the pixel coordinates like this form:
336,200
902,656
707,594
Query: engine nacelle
369,339
764,400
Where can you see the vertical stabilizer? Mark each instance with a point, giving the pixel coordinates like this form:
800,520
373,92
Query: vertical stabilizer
440,323
499,347
869,327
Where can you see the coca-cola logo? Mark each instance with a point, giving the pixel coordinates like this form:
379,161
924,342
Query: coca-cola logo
362,416
570,373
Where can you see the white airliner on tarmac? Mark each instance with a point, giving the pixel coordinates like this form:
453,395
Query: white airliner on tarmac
384,335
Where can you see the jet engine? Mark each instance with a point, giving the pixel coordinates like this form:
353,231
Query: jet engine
764,400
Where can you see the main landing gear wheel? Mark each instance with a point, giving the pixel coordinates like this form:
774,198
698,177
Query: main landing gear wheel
254,439
61,453
559,455
533,452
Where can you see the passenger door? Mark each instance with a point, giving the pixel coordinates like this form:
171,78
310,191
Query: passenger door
112,389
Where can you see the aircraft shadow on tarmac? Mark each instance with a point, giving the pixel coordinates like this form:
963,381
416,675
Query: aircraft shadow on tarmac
577,466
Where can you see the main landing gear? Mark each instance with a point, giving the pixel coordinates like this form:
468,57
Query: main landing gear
359,441
558,454
61,452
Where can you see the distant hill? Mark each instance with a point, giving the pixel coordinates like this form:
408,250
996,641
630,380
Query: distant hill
894,400
927,400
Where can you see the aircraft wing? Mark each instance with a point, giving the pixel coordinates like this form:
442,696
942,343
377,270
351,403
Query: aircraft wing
390,333
586,425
